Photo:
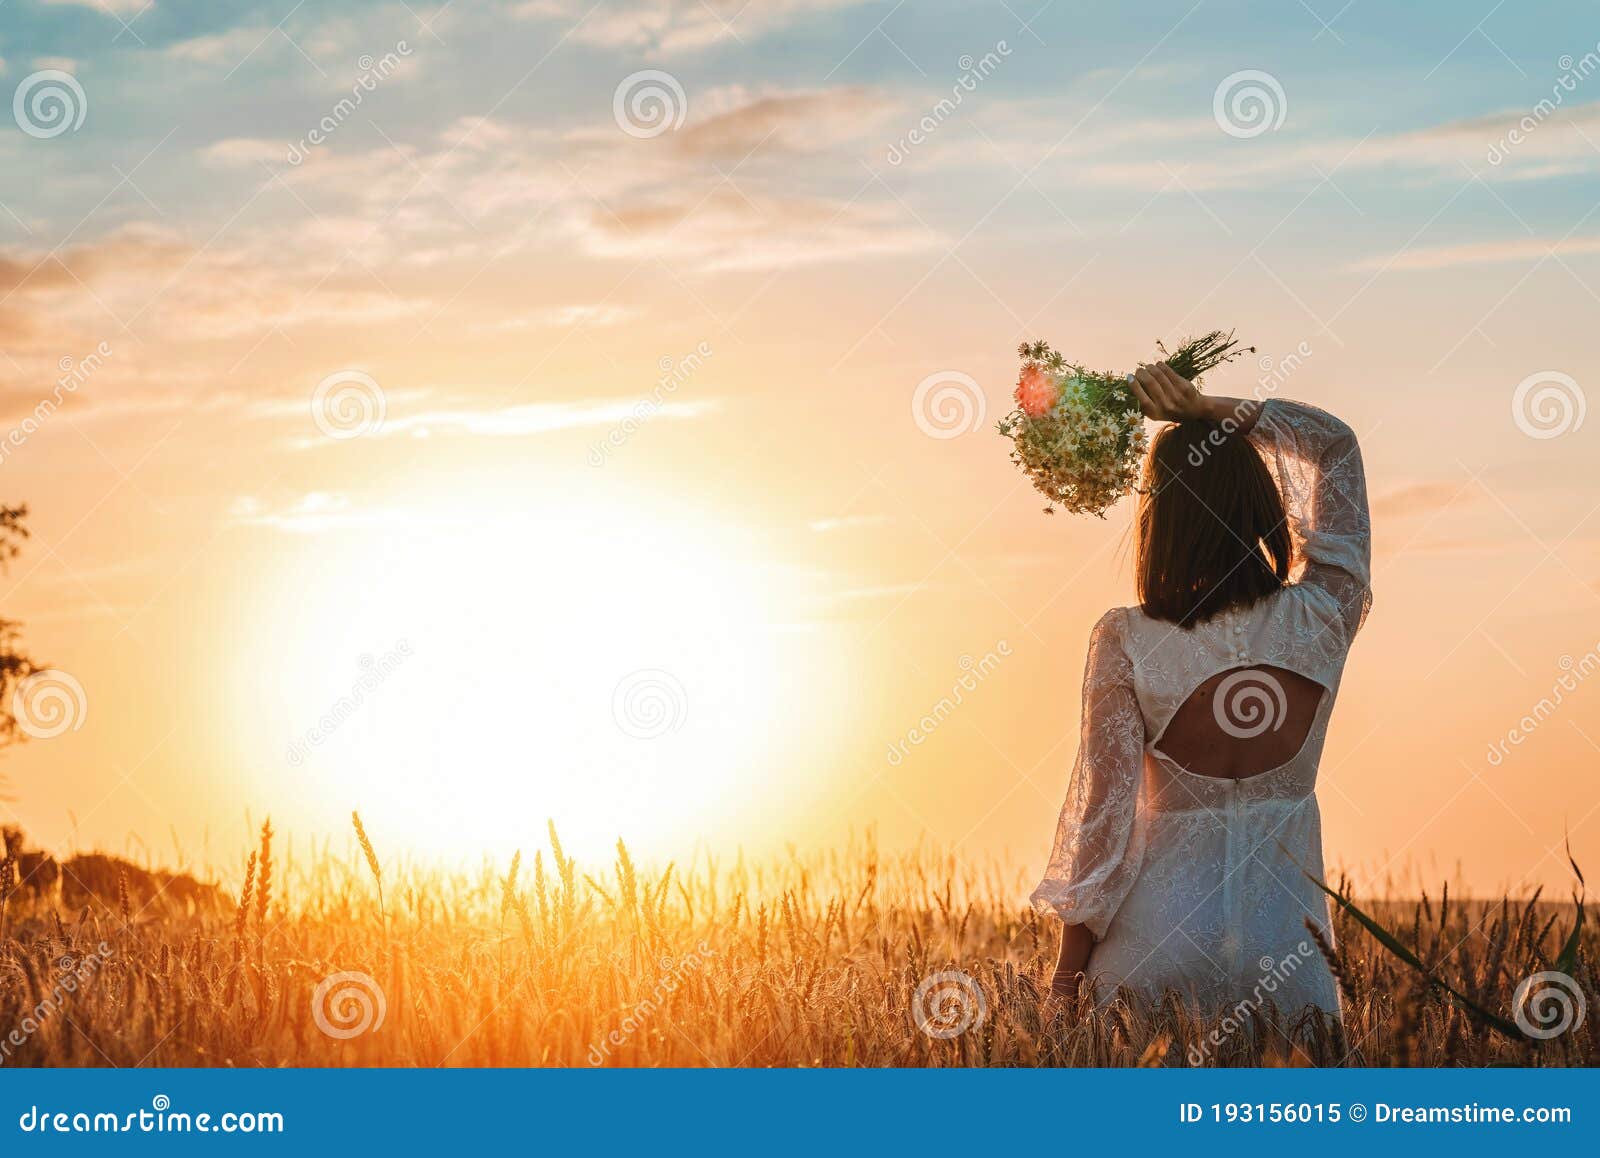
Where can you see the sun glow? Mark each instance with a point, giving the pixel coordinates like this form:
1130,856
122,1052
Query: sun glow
460,679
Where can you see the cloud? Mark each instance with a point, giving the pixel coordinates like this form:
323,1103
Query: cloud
846,522
581,315
1552,143
1478,253
243,283
610,194
229,47
598,315
270,271
1417,499
311,50
120,7
809,120
409,413
140,249
233,151
881,591
310,514
1561,128
49,292
728,230
538,417
675,26
1561,143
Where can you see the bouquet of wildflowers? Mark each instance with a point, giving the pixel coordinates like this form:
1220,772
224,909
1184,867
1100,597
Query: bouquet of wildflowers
1078,434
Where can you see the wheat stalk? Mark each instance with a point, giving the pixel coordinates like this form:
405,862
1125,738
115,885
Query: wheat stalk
264,878
808,960
372,863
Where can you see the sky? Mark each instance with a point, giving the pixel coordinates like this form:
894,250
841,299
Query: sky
478,413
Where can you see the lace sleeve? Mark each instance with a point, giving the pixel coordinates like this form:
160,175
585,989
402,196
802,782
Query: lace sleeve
1099,843
1317,463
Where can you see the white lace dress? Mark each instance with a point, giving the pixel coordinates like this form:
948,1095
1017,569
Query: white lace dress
1194,883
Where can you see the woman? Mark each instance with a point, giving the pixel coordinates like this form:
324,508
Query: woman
1192,811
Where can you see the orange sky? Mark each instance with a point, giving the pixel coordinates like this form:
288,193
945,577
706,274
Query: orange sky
649,405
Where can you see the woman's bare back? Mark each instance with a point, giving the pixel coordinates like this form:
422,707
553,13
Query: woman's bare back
1242,722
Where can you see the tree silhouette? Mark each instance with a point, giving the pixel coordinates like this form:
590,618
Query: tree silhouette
15,664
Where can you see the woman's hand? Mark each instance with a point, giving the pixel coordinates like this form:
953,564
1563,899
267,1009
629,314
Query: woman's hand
1065,984
1165,396
1076,944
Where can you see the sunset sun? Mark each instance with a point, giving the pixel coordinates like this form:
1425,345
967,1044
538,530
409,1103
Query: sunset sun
462,679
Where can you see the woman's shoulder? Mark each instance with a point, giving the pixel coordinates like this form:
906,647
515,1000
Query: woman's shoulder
1113,628
1298,598
1110,647
1115,620
1126,622
1136,631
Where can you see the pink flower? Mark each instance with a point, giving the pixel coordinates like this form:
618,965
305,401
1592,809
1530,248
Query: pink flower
1036,391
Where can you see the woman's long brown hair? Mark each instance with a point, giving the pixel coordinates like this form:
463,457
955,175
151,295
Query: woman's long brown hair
1211,528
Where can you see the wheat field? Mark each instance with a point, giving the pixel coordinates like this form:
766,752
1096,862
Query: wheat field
845,958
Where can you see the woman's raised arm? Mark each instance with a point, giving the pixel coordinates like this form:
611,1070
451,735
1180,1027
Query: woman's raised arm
1317,462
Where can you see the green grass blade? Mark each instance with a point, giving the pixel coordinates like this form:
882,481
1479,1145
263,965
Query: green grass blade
1567,960
1392,943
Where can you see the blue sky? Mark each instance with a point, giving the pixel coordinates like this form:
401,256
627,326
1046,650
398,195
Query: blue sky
211,72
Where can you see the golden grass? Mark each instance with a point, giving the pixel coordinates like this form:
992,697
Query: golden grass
808,961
